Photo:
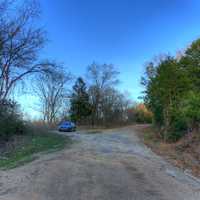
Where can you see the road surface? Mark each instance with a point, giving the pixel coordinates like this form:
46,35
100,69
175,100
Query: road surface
112,165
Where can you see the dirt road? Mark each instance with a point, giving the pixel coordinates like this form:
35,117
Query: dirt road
113,165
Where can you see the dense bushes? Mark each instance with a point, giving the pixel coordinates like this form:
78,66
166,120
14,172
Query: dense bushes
139,114
191,109
172,93
11,122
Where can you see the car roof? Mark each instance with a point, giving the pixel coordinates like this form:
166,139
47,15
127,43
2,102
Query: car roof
66,122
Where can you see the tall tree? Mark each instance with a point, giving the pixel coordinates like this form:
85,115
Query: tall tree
20,43
101,77
51,90
166,84
114,107
190,62
80,107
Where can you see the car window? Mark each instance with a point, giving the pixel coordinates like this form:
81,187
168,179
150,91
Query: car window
65,123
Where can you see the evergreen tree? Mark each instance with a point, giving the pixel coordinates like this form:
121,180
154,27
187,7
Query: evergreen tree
80,107
166,86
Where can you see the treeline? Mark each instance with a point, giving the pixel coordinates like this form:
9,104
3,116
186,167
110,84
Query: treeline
172,92
97,100
94,99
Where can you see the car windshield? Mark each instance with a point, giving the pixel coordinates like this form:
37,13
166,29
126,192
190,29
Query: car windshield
65,123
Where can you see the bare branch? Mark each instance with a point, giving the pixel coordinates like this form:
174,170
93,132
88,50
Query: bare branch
20,43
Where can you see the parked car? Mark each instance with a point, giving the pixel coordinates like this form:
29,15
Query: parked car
67,126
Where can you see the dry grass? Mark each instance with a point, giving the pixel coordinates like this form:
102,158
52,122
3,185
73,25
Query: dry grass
184,154
22,149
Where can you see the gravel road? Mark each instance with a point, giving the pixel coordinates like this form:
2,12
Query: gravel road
112,165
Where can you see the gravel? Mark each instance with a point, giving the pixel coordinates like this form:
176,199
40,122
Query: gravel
113,164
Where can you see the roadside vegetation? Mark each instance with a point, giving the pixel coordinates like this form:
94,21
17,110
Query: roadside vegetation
20,149
172,93
20,140
183,153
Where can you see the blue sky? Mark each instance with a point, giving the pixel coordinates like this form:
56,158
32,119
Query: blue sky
126,33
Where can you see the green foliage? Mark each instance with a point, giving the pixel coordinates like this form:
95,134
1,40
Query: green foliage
191,109
11,122
178,127
80,107
167,84
191,63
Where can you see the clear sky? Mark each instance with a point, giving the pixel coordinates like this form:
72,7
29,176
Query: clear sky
126,33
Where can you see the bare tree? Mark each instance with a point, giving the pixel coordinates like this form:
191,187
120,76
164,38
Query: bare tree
20,43
101,78
114,107
51,89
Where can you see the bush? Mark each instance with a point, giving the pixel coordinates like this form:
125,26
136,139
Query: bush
178,126
140,114
38,127
191,109
11,122
187,118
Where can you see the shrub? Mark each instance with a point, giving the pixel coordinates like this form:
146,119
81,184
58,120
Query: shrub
191,109
11,122
177,127
140,114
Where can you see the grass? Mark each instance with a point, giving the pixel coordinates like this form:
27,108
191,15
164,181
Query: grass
33,144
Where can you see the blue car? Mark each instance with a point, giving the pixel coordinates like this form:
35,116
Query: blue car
67,126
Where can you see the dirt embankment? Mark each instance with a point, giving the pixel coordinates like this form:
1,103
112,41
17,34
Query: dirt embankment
184,154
